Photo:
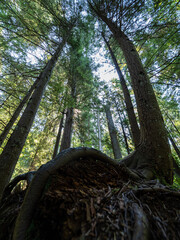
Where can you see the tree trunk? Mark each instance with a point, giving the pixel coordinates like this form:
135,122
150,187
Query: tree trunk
58,137
122,125
67,135
66,139
153,155
154,141
13,148
175,165
17,112
174,146
113,133
129,106
99,131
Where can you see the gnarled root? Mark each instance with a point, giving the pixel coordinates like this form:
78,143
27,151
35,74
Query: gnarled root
26,176
37,185
141,227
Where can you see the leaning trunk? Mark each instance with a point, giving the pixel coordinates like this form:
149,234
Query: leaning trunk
17,112
154,141
13,148
129,106
153,154
113,133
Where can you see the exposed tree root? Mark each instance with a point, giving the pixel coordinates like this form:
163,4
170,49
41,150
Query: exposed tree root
142,160
90,199
26,176
36,187
141,227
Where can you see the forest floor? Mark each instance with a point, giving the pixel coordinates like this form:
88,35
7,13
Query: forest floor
94,200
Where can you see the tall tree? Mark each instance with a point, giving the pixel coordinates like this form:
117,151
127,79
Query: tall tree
129,106
17,112
58,136
13,148
122,126
99,131
153,153
112,133
67,134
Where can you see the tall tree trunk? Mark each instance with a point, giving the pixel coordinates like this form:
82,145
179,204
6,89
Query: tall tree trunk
129,106
174,146
13,148
175,165
113,133
58,136
66,139
153,155
17,112
122,125
99,131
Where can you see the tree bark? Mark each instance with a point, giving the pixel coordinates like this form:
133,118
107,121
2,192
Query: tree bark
99,131
175,165
129,106
13,148
122,125
153,154
58,136
66,139
174,146
113,133
17,112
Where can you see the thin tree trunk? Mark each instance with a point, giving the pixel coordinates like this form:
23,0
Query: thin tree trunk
99,131
154,154
113,133
66,139
17,112
122,125
67,135
125,117
174,146
175,165
129,106
58,136
13,148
